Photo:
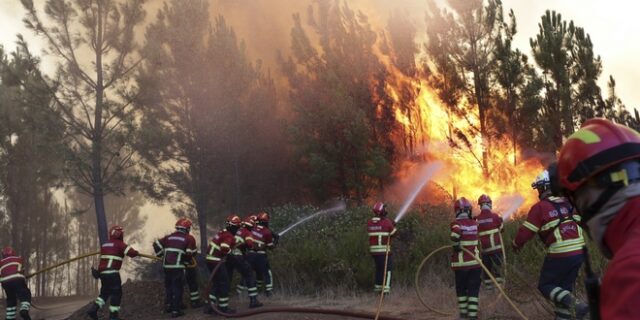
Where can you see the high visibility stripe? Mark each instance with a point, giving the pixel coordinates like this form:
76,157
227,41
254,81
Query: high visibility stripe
212,258
455,235
99,302
11,264
114,308
378,249
530,226
466,243
491,248
109,271
472,299
487,232
224,245
180,251
394,231
13,276
213,247
375,234
127,250
25,305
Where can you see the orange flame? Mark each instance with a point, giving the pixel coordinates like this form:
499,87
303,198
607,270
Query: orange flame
440,134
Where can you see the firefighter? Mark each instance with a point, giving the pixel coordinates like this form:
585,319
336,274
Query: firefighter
177,250
112,253
14,284
490,228
599,171
380,229
237,260
552,219
263,240
219,247
467,270
191,275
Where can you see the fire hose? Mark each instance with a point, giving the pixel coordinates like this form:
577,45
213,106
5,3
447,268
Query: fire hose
80,257
486,270
362,315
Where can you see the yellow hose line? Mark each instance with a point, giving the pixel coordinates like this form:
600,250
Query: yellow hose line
86,255
384,278
493,279
148,256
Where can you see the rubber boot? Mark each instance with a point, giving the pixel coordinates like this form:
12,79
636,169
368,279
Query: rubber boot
177,313
196,304
93,312
582,310
208,309
114,316
25,314
254,303
227,310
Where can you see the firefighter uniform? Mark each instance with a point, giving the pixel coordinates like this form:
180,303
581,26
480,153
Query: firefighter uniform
177,250
380,229
112,254
219,247
14,285
552,219
191,275
257,256
236,260
467,270
489,229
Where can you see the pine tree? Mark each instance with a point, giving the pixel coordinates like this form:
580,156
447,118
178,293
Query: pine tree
95,44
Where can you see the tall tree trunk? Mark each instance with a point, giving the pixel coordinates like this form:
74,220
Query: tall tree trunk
482,109
202,221
98,192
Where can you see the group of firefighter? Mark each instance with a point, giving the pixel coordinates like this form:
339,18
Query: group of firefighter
594,187
241,245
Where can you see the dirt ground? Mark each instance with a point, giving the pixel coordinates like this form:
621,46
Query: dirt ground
144,300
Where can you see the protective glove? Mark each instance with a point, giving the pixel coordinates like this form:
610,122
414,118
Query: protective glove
276,239
95,273
457,247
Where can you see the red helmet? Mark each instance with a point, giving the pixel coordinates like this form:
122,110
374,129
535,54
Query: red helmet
8,252
379,209
233,220
116,232
263,217
250,221
184,223
484,199
462,205
598,146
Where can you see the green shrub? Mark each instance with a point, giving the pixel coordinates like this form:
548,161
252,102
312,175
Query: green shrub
331,251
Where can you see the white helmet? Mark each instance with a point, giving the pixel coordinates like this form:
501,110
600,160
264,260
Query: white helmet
542,181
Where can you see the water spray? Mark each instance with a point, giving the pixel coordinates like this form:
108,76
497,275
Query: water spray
515,203
339,207
426,174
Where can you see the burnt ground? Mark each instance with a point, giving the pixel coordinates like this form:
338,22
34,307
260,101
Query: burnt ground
145,300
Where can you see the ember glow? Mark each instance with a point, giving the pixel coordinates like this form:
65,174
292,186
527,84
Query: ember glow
437,133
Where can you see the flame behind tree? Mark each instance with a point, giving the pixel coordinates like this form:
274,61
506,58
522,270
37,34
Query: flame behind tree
460,105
